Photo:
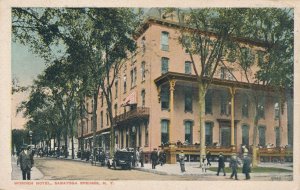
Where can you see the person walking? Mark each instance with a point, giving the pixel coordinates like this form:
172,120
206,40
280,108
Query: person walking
221,164
26,162
137,157
208,157
204,164
141,152
181,160
246,166
154,158
234,162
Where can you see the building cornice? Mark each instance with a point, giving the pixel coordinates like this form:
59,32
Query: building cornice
152,20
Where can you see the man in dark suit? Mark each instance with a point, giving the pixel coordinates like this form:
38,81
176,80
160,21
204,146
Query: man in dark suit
154,158
26,162
221,164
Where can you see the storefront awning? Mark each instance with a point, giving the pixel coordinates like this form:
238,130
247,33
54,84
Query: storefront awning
130,99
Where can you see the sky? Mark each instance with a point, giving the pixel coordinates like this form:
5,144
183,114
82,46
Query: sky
25,67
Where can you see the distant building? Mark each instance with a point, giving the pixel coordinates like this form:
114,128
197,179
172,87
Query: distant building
155,101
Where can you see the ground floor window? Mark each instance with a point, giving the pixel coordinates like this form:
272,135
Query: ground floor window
245,135
188,137
277,134
164,131
208,133
262,135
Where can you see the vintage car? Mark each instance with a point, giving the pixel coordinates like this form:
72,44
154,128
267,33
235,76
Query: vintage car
122,158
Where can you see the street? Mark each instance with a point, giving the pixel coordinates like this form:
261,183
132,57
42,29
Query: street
61,169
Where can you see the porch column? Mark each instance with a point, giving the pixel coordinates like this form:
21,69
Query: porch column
172,88
171,140
232,92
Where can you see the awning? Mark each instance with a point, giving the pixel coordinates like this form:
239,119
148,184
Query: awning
130,99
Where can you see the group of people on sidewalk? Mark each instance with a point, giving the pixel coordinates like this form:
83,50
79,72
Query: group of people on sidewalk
157,157
234,164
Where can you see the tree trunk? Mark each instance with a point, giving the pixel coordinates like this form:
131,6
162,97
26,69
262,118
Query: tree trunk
94,124
254,146
201,102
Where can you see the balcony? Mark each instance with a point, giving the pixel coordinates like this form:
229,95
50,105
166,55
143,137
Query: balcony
135,114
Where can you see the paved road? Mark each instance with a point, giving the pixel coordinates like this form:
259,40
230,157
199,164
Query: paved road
59,169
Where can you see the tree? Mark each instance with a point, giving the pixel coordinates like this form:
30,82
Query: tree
212,36
205,34
273,27
94,41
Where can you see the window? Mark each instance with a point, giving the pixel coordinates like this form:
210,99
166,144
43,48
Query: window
261,107
143,70
277,135
226,74
187,67
223,73
165,41
188,100
116,109
124,83
101,119
102,97
225,104
245,105
164,95
143,93
188,137
164,131
164,65
208,133
146,134
245,135
276,110
208,102
260,57
262,135
143,44
116,89
133,77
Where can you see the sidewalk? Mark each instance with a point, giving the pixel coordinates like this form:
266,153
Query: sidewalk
16,173
193,169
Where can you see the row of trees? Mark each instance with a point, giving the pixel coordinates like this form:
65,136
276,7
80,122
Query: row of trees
81,47
85,48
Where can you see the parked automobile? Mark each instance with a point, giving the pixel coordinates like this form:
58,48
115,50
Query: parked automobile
122,158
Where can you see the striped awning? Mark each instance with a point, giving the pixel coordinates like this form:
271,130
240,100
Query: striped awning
130,99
